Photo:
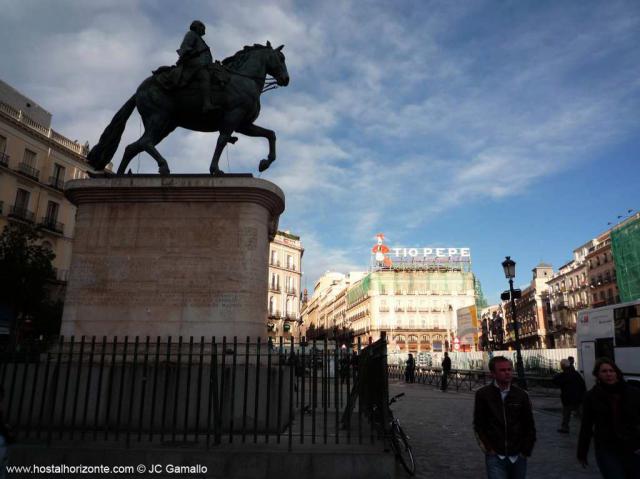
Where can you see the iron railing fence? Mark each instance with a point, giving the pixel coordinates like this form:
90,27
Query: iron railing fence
199,392
467,379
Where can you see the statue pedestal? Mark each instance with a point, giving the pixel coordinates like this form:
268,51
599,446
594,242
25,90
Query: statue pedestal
182,255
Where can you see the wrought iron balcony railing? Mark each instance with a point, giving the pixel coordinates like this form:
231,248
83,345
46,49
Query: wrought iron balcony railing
52,225
4,159
29,171
20,212
56,182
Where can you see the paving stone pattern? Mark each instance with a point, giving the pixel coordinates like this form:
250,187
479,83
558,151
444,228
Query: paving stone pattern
440,429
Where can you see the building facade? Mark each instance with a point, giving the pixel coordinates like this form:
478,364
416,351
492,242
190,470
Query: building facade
35,163
601,271
533,312
416,308
285,279
569,293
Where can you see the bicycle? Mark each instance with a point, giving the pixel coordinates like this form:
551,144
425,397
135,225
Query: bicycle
399,440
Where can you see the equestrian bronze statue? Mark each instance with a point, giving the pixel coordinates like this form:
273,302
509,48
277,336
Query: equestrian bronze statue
174,97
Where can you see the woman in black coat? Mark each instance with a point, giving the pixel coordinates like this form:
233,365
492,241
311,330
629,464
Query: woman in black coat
611,414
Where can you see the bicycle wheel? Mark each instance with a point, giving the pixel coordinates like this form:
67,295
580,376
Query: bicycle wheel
402,448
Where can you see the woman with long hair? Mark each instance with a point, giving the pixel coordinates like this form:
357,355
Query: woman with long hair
611,415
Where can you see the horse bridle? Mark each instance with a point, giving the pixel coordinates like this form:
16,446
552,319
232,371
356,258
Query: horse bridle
271,84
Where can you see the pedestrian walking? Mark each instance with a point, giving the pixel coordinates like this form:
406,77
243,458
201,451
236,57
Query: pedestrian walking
503,423
446,369
410,371
572,390
611,414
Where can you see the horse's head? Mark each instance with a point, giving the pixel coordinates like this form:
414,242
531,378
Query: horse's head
276,66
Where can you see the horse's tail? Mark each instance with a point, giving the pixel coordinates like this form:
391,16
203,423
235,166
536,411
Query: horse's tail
102,153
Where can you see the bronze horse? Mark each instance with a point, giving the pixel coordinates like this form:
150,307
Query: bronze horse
237,107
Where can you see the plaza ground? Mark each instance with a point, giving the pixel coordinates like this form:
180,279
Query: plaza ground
440,429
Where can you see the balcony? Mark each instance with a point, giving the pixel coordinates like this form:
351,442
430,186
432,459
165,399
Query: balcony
274,314
56,182
274,288
291,291
290,317
52,225
29,171
21,213
274,263
4,159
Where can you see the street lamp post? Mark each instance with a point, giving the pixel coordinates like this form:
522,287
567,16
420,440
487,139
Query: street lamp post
509,267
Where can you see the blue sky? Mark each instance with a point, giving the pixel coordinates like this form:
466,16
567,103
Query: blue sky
509,127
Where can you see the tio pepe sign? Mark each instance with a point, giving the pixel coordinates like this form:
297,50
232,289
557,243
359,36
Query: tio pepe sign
431,252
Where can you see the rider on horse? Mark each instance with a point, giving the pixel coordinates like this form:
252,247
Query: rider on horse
195,59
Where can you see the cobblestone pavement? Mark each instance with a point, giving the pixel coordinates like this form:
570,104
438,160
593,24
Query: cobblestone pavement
440,429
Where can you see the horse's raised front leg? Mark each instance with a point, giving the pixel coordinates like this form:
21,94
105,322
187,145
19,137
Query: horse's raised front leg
258,131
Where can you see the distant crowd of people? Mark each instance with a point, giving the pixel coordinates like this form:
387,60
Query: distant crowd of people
505,428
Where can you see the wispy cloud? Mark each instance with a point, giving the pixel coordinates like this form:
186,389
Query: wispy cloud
394,116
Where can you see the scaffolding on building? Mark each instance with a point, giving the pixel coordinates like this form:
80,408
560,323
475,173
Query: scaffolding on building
625,247
405,281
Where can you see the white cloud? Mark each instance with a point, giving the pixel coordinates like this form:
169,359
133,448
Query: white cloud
394,115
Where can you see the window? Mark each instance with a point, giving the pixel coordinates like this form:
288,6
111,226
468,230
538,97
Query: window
57,178
30,159
272,305
52,212
290,262
3,144
274,257
58,172
22,199
627,325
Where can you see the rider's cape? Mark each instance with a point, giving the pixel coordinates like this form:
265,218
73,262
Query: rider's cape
178,76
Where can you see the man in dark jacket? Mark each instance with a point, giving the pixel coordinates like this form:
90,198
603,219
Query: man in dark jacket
572,389
503,423
446,369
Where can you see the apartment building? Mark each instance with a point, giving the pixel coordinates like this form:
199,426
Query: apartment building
569,293
35,163
602,272
285,278
533,312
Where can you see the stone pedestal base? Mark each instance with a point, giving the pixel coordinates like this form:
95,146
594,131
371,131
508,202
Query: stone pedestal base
183,255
